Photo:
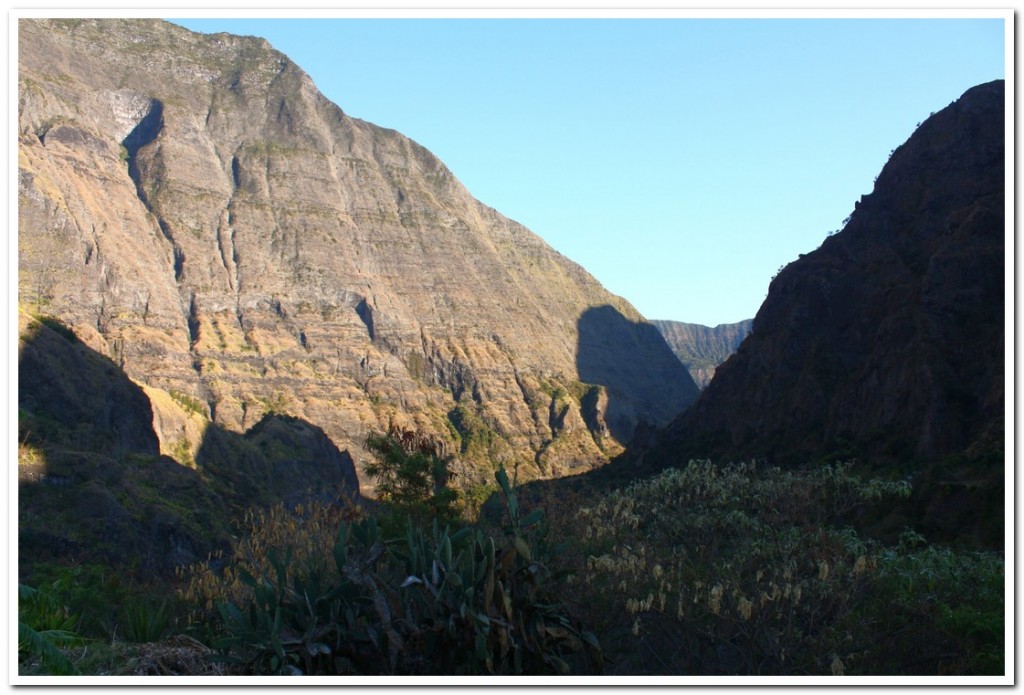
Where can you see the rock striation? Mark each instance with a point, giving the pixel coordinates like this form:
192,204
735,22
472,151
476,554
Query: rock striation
196,211
702,348
93,486
887,342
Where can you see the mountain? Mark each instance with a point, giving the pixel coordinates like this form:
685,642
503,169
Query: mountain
94,487
702,348
195,211
887,342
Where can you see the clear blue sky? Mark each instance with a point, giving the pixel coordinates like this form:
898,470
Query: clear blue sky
681,161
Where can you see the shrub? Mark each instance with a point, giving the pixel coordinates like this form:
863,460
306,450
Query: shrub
412,472
86,592
433,601
304,529
745,569
188,403
45,626
488,607
479,442
932,610
143,622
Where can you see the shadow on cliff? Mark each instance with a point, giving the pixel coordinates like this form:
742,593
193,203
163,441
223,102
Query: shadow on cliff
645,385
281,458
645,382
94,488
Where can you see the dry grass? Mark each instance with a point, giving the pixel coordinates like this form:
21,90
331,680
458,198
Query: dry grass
178,656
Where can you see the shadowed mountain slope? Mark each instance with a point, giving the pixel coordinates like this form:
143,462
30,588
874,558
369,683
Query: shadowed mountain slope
93,486
887,342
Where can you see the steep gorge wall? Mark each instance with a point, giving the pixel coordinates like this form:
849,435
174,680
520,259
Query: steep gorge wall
887,343
702,348
196,211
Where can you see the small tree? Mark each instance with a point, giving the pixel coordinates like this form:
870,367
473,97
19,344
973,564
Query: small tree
413,472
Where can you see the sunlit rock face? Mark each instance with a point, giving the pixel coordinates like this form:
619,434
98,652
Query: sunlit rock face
198,212
702,348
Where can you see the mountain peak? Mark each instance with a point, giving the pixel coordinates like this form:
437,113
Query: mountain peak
224,231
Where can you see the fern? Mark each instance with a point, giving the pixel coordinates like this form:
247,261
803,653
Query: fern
43,629
45,646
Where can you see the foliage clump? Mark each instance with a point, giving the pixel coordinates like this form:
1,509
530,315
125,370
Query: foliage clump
743,569
740,569
413,472
44,628
188,403
303,531
432,601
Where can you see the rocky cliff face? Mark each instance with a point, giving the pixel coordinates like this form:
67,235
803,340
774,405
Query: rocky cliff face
887,342
93,485
702,348
197,212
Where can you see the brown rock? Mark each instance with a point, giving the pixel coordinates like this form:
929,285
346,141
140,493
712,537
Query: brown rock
197,211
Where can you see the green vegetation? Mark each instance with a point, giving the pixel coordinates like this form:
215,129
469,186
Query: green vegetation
71,625
188,403
745,570
44,626
181,452
702,570
479,441
143,622
412,473
416,365
577,390
56,325
276,404
431,601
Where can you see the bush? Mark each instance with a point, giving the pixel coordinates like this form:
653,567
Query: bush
86,591
143,622
748,570
483,606
932,610
45,627
412,472
435,601
304,531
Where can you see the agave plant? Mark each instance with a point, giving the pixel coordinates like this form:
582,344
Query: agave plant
433,601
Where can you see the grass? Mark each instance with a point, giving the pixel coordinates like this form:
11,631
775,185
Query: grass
705,569
188,403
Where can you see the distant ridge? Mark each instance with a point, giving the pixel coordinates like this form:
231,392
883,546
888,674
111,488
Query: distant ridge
702,348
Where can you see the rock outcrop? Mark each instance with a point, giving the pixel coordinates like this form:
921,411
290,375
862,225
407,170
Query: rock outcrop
702,348
89,468
200,214
887,342
94,487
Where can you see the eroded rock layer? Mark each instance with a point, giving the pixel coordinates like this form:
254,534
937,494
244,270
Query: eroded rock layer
702,348
195,210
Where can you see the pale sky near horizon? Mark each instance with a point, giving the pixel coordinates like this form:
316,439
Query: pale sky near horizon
681,161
